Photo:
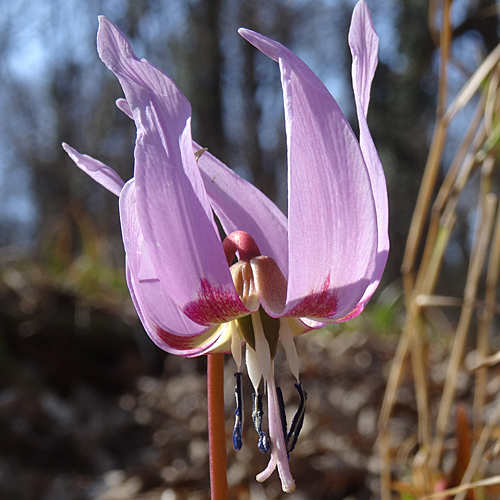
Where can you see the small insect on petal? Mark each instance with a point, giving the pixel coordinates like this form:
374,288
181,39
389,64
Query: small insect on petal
199,153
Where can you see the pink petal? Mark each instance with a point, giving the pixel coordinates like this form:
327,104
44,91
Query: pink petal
179,345
101,173
363,41
240,206
167,326
173,209
156,307
332,230
123,106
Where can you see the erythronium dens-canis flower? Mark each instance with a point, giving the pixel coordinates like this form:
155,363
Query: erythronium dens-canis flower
272,277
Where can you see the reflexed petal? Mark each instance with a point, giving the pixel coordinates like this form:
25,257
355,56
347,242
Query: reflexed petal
313,324
216,339
101,173
363,41
332,230
299,326
123,106
240,206
155,304
172,207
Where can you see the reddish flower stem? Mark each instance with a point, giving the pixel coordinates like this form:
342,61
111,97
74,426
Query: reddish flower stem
216,426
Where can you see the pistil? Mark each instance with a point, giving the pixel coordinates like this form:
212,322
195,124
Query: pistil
279,455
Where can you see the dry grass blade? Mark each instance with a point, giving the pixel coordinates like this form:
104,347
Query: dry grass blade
474,136
488,361
479,450
491,106
463,487
472,86
427,300
432,167
476,264
419,365
479,148
485,319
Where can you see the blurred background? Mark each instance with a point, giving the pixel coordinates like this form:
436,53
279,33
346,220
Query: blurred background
89,407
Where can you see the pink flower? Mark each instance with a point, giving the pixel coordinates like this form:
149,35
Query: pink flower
320,265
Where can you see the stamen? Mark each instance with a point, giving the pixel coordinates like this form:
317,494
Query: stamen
281,404
286,337
238,413
298,420
257,415
236,342
253,367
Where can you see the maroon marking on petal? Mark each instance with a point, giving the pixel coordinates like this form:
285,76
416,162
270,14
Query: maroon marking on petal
175,341
355,312
214,305
319,303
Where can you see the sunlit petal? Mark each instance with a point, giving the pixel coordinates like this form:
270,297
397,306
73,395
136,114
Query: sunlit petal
172,207
101,173
180,345
123,106
156,303
363,41
332,228
240,206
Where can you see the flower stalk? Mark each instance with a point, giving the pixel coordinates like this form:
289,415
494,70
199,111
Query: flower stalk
216,426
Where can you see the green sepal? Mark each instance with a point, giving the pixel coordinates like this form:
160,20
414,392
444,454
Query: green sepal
271,330
246,329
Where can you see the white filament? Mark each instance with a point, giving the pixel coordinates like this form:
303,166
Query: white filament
236,342
253,367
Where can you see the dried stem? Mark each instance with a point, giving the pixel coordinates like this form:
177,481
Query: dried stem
464,487
485,320
435,154
479,450
476,264
479,148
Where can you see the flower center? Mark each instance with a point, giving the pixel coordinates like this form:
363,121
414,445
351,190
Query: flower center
262,288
